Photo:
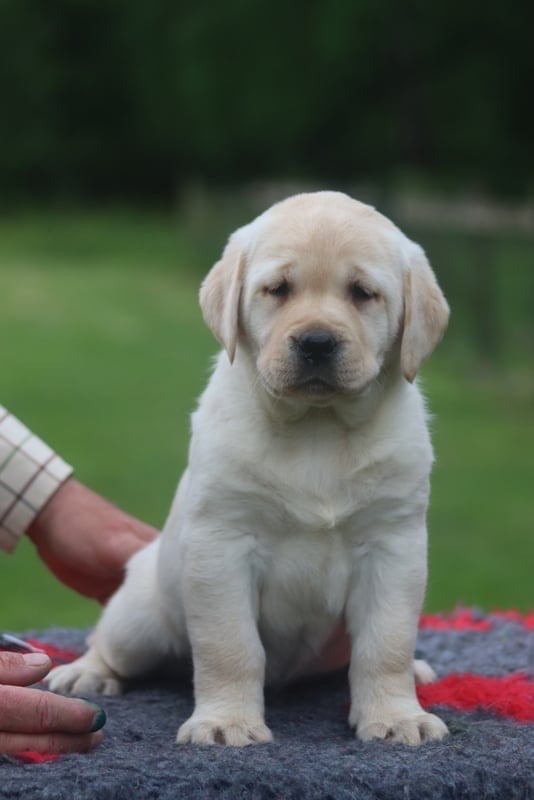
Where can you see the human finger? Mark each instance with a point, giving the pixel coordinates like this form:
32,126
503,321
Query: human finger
34,711
21,669
15,743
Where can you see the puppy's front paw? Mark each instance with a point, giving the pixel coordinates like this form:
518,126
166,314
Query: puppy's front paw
83,677
411,730
233,730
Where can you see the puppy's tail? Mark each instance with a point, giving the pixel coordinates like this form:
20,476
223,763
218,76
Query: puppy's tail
423,671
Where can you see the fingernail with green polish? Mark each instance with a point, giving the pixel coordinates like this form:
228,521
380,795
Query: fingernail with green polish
99,720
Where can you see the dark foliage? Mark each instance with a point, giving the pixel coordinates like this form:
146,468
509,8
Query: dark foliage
131,98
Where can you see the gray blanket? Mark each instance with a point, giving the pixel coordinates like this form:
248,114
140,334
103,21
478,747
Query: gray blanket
314,756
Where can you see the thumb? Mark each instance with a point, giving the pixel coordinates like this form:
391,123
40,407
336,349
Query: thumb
18,669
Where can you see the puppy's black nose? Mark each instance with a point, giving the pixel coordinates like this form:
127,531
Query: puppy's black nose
317,347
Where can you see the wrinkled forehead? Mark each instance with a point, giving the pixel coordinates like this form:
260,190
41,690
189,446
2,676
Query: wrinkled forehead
321,244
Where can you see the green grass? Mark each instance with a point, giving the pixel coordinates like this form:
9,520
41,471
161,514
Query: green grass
481,519
104,353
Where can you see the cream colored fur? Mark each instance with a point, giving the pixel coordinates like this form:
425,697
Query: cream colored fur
297,539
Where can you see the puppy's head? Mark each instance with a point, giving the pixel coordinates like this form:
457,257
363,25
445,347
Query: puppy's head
323,291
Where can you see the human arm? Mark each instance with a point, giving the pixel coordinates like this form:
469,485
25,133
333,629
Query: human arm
82,538
85,540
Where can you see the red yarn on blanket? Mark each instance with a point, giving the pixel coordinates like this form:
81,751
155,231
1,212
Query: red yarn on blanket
457,621
510,696
464,620
514,616
30,757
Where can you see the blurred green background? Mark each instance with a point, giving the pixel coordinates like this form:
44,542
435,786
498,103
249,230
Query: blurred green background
134,137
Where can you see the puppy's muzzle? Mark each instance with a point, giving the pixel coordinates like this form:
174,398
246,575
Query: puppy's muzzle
317,348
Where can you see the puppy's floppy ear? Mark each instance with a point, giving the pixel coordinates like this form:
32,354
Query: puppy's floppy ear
220,294
426,312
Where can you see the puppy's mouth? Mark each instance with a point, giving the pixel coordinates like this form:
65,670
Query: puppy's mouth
310,389
315,390
315,385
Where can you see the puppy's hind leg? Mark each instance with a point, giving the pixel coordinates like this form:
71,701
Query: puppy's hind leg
131,637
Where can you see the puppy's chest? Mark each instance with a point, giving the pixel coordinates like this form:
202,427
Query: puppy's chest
316,488
303,587
307,530
305,575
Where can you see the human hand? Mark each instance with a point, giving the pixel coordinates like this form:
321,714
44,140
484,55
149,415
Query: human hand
86,541
31,719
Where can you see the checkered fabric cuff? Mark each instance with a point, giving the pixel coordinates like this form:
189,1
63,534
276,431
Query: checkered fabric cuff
30,473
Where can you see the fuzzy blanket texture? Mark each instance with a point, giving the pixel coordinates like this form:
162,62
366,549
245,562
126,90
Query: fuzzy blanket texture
484,692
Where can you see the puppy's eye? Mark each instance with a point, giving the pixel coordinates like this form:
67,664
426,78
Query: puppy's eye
278,290
361,295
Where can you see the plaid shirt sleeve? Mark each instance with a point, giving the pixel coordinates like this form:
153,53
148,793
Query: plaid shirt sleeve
30,473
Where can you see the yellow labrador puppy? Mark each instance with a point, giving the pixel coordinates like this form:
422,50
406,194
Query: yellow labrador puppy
302,511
